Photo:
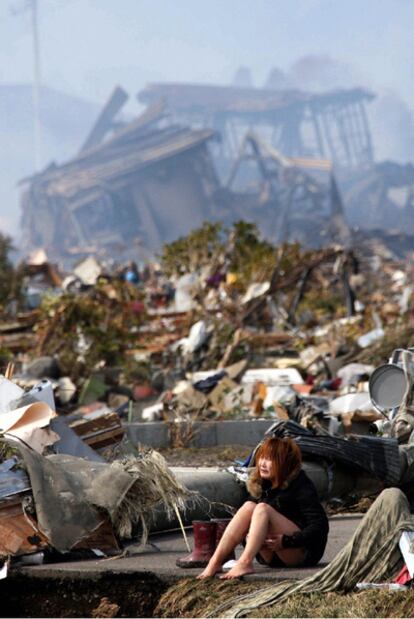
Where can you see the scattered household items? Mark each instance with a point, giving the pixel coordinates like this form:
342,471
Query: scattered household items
391,390
387,387
388,383
226,326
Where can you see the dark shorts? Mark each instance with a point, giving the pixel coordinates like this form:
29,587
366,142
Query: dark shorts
308,560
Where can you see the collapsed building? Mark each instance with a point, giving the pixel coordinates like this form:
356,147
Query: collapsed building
136,185
290,198
148,183
381,198
332,125
281,159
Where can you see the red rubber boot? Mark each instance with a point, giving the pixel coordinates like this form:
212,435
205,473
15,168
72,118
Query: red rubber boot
221,524
204,545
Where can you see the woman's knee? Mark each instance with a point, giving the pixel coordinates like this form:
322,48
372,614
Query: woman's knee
263,508
247,507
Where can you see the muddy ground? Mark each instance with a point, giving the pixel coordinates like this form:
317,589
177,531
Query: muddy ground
110,595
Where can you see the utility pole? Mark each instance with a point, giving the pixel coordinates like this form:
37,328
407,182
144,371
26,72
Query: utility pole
32,5
36,88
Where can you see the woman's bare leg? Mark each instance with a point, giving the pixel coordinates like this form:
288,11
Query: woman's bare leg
234,533
265,521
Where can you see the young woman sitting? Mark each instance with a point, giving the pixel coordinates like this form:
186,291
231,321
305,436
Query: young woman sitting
283,522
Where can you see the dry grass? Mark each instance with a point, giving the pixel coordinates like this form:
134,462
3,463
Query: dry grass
194,598
221,455
363,604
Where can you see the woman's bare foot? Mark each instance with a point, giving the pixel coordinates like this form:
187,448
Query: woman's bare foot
209,571
240,569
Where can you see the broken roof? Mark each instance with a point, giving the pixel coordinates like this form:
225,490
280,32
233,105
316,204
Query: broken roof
133,147
242,100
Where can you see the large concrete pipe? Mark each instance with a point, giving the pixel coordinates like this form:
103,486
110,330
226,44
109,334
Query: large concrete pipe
220,491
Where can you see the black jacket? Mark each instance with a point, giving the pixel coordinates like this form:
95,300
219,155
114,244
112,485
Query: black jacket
299,503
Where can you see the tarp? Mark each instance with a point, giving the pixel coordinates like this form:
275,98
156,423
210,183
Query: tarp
68,493
74,497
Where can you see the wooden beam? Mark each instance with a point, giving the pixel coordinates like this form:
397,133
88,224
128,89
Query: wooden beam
358,130
103,123
291,139
367,132
328,135
339,119
318,132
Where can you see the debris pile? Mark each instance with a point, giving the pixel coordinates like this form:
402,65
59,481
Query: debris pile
227,325
58,496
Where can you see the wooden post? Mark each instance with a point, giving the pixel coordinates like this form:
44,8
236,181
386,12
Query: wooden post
367,133
325,122
103,123
318,133
342,134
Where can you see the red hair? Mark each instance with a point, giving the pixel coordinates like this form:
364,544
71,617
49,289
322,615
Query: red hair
286,460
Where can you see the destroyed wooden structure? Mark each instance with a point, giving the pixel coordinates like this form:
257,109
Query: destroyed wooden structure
331,125
146,184
386,193
289,198
134,186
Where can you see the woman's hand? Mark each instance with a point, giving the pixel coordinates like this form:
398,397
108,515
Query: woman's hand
274,542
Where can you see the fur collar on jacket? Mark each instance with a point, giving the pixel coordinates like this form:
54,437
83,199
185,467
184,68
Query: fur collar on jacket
254,487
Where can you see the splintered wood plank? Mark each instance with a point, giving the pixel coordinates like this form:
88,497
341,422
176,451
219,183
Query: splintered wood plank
17,534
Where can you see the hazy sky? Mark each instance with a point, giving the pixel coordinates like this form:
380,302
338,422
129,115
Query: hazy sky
89,46
86,45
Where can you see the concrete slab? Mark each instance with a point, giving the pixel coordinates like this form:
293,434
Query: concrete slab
160,562
207,433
